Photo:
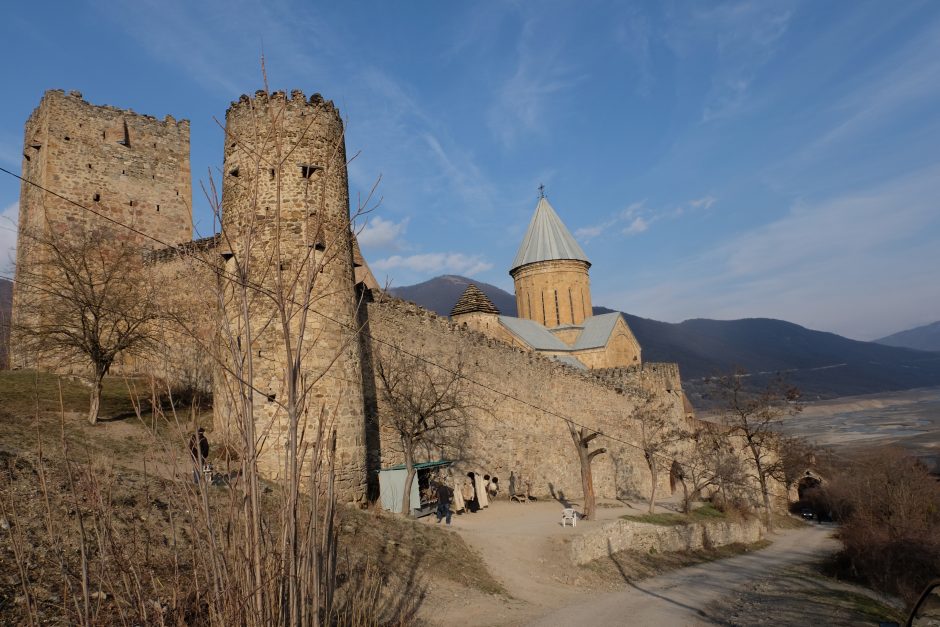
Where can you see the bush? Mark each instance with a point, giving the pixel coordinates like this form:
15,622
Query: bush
889,507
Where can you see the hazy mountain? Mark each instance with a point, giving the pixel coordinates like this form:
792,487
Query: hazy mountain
925,338
6,305
821,364
441,293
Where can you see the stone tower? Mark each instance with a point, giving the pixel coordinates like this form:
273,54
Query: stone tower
550,272
476,310
286,225
133,168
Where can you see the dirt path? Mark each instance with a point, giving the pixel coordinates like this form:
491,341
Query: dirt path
684,597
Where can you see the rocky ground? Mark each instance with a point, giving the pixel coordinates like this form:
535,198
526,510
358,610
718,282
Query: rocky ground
506,565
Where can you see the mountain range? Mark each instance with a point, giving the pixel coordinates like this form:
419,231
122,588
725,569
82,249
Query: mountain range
925,338
821,364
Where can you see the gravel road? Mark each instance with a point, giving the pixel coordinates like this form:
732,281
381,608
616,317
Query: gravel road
683,597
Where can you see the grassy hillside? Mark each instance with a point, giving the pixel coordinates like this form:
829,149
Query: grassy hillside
122,490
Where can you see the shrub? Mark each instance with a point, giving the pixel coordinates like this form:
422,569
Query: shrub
889,507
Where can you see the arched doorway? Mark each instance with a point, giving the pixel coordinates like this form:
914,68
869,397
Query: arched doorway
675,476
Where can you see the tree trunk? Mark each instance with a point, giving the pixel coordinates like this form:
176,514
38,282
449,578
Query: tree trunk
409,479
766,495
96,385
654,476
587,484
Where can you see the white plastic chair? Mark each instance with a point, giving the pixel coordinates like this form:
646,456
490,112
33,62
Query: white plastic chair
569,514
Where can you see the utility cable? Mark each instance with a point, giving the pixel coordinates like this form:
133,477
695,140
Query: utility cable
353,328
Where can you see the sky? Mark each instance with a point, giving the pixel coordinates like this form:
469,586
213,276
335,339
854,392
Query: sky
714,159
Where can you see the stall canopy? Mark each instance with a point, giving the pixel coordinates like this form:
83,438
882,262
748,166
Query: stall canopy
392,485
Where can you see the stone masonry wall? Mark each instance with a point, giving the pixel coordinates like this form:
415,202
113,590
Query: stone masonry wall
285,228
130,167
515,435
628,535
553,292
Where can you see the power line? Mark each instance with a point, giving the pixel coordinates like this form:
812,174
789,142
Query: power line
398,349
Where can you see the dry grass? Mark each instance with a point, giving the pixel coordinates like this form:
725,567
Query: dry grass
142,534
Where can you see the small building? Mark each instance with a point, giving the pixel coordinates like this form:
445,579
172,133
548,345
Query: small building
392,486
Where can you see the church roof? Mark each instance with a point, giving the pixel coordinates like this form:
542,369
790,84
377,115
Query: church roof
547,238
597,330
533,334
473,300
596,333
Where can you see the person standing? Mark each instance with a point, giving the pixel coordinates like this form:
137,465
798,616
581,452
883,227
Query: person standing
444,496
199,450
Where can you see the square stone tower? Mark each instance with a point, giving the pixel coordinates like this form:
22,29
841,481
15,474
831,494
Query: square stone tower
130,167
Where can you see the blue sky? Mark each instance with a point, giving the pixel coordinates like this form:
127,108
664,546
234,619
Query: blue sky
718,160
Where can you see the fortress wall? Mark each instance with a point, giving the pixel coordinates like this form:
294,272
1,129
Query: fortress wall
514,436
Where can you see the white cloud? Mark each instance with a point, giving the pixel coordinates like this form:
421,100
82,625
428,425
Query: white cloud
741,36
863,264
638,225
435,263
383,234
705,202
9,221
588,233
637,218
541,72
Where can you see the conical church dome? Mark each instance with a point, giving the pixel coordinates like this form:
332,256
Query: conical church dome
546,239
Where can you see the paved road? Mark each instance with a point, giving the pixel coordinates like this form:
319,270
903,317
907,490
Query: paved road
681,597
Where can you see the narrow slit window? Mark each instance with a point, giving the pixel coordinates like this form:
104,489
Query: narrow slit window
96,197
544,317
307,170
557,313
233,172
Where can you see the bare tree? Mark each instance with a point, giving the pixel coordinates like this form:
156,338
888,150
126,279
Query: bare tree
755,415
658,436
710,463
85,299
582,438
427,407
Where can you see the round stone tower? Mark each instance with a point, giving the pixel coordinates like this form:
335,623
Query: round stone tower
286,229
550,272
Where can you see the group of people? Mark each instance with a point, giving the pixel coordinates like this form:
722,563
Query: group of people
469,494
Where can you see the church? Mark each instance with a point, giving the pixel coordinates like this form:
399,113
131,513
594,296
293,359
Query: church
553,298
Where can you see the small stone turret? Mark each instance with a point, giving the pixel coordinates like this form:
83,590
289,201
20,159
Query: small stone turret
476,310
285,202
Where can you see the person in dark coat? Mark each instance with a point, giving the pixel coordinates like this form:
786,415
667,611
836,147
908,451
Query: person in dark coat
444,497
199,450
